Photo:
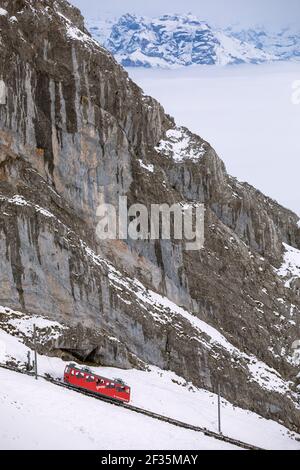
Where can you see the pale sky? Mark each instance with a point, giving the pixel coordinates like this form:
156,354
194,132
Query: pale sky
272,13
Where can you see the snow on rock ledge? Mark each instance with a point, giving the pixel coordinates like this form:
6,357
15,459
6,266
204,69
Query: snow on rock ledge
290,268
2,92
22,325
74,33
181,145
18,200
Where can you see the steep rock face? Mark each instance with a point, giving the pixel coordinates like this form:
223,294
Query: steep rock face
74,131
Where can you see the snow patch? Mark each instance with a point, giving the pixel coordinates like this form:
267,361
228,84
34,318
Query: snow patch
290,268
26,324
180,146
76,34
21,201
149,167
2,92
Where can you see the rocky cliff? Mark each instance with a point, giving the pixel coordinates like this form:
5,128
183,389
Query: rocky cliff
74,131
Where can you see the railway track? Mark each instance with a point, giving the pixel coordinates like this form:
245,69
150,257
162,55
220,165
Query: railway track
136,409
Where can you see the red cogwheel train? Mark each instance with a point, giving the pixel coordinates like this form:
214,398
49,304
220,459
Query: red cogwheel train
84,378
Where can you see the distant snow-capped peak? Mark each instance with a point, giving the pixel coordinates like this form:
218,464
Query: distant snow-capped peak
181,40
284,44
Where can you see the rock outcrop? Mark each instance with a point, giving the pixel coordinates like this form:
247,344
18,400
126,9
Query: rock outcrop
74,131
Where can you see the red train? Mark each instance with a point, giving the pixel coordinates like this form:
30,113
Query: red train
84,378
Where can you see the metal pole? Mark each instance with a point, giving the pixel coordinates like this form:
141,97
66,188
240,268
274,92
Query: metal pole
35,353
219,410
28,366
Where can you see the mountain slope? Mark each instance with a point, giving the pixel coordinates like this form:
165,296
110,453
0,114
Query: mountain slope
155,390
75,130
94,425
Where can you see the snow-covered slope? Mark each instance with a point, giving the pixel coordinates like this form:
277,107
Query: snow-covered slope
23,399
62,419
172,40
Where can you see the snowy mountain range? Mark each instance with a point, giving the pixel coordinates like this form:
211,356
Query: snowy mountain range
284,45
182,40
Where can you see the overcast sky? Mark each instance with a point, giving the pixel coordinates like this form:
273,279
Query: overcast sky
272,13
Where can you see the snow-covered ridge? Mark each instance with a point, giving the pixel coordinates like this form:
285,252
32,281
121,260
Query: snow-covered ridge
74,33
171,41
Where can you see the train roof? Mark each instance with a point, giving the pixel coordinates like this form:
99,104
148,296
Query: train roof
87,370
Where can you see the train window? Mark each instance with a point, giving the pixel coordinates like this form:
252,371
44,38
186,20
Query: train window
99,381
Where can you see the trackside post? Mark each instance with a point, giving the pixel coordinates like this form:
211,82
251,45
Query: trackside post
35,353
219,410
